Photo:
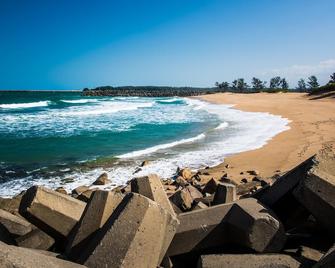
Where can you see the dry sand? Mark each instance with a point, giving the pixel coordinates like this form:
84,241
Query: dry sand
312,127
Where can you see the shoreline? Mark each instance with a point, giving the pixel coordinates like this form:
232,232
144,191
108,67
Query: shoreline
281,152
312,126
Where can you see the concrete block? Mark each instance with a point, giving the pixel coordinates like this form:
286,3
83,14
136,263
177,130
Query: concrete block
52,212
245,223
11,256
134,235
16,225
248,261
151,187
98,210
225,193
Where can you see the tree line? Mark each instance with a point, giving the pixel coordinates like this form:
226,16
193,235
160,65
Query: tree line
276,84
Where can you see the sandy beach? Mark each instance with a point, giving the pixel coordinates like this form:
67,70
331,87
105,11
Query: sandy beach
312,127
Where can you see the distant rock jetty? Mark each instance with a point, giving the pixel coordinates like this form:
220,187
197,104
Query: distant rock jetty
149,91
186,221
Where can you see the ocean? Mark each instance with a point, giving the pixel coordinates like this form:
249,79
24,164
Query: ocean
64,139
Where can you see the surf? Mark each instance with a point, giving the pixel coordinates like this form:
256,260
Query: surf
25,105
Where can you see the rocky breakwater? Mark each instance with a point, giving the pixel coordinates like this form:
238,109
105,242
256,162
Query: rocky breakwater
148,91
187,221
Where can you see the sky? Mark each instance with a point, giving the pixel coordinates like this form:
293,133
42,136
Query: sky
72,44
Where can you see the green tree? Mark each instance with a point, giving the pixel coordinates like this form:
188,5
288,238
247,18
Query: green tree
301,85
275,82
257,83
284,84
241,85
332,78
234,84
225,85
312,82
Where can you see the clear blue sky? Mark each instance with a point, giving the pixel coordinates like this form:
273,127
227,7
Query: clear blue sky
71,44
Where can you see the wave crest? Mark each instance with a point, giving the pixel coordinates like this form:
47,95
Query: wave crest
79,101
161,146
25,105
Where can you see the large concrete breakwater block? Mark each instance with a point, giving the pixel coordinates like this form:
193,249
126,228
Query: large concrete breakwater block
98,210
316,192
133,236
248,261
273,196
246,223
151,186
16,225
52,212
12,256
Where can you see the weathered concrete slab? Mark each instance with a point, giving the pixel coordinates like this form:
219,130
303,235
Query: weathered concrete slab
194,192
248,261
176,209
36,239
61,190
98,210
6,236
207,200
16,225
102,179
200,229
85,196
210,187
284,185
247,187
11,204
316,192
182,199
200,205
52,212
328,260
79,190
132,237
151,186
245,223
225,193
252,225
186,173
11,256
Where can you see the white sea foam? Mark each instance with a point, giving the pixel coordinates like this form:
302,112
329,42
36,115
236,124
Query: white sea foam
222,125
80,101
170,100
161,147
25,105
238,131
107,108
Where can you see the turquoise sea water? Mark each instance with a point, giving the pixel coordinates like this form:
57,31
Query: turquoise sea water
56,138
